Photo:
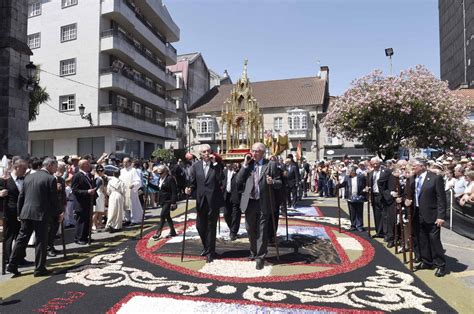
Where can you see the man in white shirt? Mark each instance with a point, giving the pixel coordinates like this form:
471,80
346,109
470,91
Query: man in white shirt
232,213
460,183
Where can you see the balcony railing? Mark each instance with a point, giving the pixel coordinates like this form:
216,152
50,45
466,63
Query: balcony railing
140,50
137,80
129,111
145,22
298,133
171,47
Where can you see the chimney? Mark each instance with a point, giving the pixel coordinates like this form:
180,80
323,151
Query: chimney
324,73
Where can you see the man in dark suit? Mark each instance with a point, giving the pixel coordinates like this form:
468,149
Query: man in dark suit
10,190
292,180
390,188
376,197
37,203
206,180
355,189
259,178
429,215
232,211
83,188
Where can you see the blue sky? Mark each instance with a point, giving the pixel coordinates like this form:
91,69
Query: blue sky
286,38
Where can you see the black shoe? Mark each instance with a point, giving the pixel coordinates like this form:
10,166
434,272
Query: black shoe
13,269
42,273
171,234
352,229
390,244
422,265
209,258
51,253
157,236
360,229
203,252
233,237
377,236
440,271
260,264
81,242
251,257
24,263
126,223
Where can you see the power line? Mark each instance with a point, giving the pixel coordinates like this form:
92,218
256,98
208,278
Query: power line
66,78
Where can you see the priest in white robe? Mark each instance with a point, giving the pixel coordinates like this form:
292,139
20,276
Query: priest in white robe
133,208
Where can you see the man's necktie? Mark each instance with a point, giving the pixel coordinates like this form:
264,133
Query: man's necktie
418,190
206,169
255,190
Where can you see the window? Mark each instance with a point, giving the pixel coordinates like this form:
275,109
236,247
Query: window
471,117
148,113
67,103
69,32
159,117
297,119
205,125
34,9
121,102
68,3
40,148
137,108
68,67
149,82
277,123
34,40
90,145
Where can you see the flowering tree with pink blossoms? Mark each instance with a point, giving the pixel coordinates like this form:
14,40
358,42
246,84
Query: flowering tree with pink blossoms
413,109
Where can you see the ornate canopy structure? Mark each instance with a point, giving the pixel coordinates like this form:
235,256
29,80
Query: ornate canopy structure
241,117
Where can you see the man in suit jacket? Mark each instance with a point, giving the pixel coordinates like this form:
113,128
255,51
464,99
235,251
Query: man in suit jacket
206,180
9,191
376,196
83,188
355,191
232,211
292,180
430,213
167,197
259,177
38,201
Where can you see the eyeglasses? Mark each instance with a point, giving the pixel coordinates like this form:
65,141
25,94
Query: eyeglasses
256,150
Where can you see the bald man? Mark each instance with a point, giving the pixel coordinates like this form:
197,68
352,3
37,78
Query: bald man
83,188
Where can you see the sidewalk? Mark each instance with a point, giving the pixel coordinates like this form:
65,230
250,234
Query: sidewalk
457,287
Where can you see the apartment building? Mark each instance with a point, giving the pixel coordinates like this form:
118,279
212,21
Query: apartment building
108,58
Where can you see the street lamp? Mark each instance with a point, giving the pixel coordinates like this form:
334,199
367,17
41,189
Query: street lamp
87,116
31,80
314,119
190,127
389,54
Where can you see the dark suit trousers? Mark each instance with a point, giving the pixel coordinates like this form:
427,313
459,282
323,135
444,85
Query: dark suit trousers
165,216
12,228
256,223
355,214
389,221
82,225
232,215
292,194
377,207
431,249
41,232
53,227
206,225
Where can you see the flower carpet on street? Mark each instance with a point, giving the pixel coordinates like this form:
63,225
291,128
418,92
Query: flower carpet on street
319,270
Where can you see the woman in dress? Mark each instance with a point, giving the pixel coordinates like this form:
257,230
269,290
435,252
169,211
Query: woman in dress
99,208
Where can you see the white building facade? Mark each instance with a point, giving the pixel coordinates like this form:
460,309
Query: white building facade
109,56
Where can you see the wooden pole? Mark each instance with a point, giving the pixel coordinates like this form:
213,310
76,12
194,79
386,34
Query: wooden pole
4,247
147,180
338,204
185,225
395,230
368,203
410,234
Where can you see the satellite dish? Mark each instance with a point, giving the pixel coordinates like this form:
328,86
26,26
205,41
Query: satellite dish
330,152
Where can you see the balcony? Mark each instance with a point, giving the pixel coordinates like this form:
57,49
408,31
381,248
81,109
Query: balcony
206,137
113,115
165,21
124,13
126,83
298,134
170,80
116,42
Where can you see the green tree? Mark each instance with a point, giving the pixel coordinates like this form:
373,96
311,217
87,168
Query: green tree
164,154
38,96
414,109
